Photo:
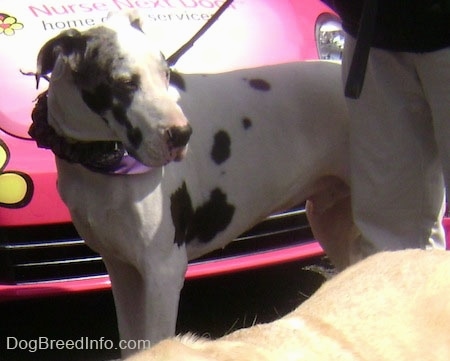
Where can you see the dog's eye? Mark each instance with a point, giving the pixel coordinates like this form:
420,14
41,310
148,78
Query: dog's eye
128,83
124,88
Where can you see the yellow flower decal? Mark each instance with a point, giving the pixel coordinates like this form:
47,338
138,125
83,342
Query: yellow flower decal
16,188
9,25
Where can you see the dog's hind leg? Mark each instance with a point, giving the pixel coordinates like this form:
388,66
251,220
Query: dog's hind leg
330,216
336,232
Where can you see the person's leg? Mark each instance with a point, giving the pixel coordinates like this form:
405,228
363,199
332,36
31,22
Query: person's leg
396,176
434,73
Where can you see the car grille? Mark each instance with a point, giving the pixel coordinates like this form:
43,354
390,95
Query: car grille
51,252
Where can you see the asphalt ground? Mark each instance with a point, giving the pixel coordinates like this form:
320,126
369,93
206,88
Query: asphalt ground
72,327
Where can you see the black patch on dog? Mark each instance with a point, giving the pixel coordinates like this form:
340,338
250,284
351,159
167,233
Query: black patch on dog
182,213
211,218
99,100
259,84
100,59
99,73
123,94
221,149
120,115
176,80
134,135
246,123
123,89
205,222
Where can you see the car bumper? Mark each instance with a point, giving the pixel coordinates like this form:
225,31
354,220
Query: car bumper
200,269
42,261
306,250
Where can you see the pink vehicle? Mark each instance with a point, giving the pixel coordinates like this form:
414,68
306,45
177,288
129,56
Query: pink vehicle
41,253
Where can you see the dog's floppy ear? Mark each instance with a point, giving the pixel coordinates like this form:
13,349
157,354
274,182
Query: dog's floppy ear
67,42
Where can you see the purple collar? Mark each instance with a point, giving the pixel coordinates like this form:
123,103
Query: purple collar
106,157
127,166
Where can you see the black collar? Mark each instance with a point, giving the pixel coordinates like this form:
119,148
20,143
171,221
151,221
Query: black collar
100,156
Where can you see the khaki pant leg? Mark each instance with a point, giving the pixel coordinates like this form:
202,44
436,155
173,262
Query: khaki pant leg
396,174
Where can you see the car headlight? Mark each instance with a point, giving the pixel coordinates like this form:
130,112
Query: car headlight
329,37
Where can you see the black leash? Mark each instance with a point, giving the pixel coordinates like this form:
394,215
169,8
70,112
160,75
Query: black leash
172,60
357,71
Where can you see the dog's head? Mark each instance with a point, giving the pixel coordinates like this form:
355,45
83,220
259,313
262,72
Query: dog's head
122,82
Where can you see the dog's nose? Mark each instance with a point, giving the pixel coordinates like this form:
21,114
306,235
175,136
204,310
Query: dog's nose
179,136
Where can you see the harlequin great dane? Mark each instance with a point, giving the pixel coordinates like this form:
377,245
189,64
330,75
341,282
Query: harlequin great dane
391,307
264,139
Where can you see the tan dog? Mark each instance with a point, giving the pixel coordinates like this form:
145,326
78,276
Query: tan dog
391,306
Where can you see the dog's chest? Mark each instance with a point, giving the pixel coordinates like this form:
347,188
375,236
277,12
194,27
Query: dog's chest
107,210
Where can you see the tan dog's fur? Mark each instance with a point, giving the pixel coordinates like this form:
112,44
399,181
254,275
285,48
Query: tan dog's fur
391,306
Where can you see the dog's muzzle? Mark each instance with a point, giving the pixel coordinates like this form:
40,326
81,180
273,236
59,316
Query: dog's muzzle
177,141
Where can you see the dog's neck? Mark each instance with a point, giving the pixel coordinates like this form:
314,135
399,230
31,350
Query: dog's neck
68,114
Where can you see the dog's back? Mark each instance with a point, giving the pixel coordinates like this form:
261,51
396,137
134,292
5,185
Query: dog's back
391,306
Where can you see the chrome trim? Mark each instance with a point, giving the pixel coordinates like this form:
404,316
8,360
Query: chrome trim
46,244
60,262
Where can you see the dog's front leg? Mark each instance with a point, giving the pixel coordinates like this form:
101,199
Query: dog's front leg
127,287
163,279
147,300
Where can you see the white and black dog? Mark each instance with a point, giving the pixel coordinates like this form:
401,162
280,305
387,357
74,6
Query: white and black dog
263,139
